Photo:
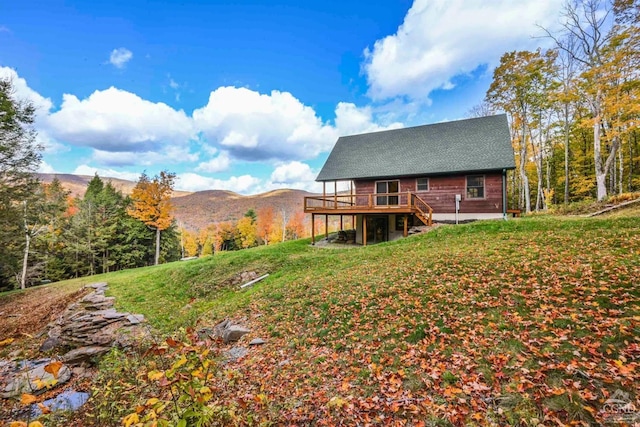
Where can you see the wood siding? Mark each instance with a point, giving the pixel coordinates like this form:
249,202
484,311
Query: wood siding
442,191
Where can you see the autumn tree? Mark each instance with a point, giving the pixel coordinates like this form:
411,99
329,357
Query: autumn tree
225,237
565,100
584,39
151,204
295,226
189,243
278,231
265,224
247,231
521,87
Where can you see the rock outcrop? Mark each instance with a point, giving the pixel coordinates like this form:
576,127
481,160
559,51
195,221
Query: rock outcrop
31,377
87,329
91,326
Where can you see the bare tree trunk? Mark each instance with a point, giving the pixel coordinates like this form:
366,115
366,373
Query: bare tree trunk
157,260
523,173
548,183
630,183
284,224
566,153
25,260
601,172
621,172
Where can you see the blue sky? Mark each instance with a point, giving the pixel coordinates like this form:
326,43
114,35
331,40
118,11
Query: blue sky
248,96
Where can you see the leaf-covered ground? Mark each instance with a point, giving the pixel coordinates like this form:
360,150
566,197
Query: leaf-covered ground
491,323
525,322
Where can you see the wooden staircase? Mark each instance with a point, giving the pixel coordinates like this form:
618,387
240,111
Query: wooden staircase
424,211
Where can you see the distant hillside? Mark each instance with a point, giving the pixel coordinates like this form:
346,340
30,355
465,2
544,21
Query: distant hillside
77,184
197,210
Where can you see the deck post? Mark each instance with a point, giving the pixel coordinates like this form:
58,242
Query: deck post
313,229
364,230
341,227
335,194
408,200
324,194
406,226
370,200
504,194
326,226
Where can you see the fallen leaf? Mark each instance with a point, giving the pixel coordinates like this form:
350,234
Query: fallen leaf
53,368
6,342
27,399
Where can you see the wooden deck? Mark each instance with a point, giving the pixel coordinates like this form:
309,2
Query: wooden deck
364,204
379,203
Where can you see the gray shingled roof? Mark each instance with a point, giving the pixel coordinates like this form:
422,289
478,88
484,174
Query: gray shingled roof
471,145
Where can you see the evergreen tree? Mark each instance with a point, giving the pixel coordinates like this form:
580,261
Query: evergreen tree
19,157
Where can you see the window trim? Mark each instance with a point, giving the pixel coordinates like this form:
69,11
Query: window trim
484,187
428,184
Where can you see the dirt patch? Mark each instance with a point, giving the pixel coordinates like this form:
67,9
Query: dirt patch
25,314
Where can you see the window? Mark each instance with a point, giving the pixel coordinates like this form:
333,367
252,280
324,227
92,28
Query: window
475,187
422,184
386,188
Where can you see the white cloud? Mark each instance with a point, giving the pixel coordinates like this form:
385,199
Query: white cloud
276,126
115,159
292,172
440,39
45,167
22,91
42,105
219,163
125,130
351,120
245,184
117,120
120,56
255,126
105,173
4,29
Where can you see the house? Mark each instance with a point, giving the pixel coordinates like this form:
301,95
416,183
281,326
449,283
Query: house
412,176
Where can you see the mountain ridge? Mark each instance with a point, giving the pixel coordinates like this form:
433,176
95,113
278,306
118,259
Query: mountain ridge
196,210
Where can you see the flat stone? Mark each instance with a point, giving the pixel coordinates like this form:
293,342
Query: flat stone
113,315
84,354
218,330
205,333
257,341
35,381
98,300
49,344
134,319
234,333
68,400
97,285
236,353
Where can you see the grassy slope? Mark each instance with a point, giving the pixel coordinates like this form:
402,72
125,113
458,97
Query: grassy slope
489,322
503,320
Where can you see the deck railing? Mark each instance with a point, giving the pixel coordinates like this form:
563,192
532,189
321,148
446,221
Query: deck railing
404,200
